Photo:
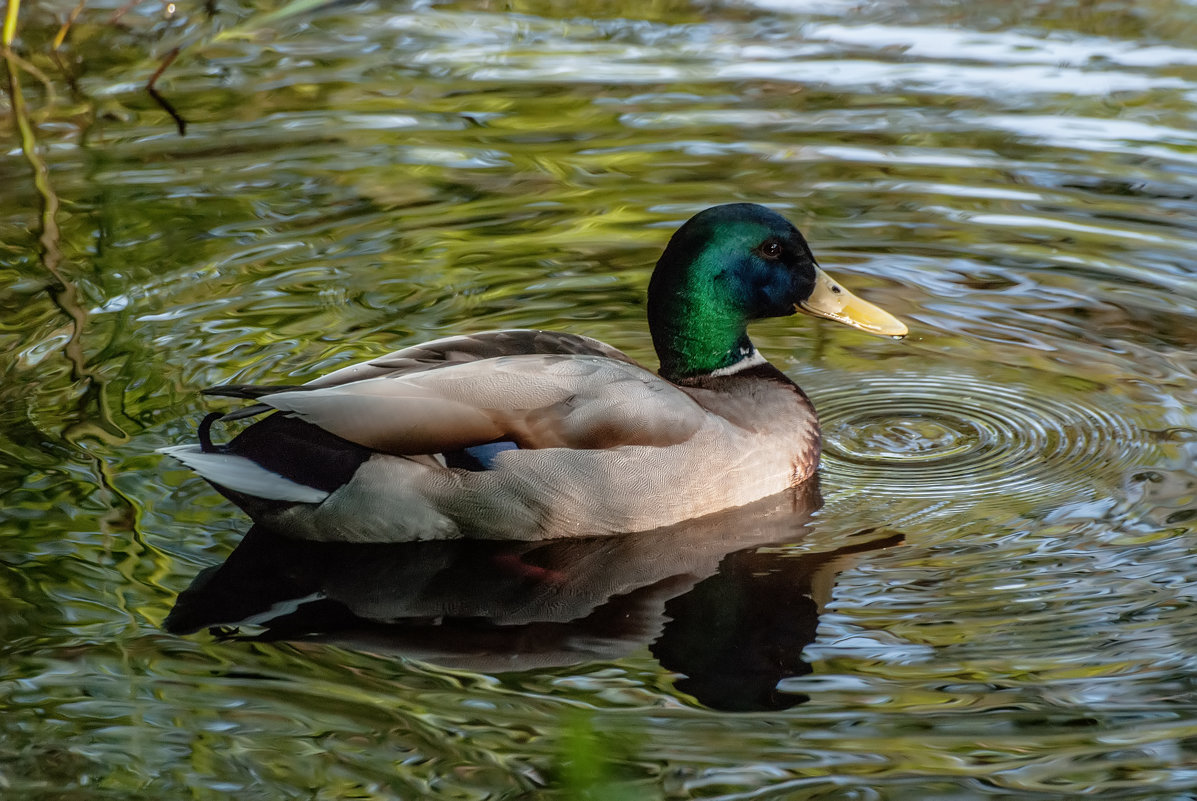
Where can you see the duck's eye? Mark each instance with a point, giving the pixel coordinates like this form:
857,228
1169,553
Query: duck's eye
771,249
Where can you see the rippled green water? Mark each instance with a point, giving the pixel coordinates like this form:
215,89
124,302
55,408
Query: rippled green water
992,597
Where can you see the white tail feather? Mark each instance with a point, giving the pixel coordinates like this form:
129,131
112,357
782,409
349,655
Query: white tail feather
242,475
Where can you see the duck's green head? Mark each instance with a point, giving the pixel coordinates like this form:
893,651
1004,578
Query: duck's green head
732,264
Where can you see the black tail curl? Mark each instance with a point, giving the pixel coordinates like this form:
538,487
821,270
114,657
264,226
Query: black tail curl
205,433
299,451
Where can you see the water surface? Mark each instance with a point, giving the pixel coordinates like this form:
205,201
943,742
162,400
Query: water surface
992,596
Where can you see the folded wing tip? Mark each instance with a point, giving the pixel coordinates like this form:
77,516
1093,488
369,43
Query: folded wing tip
243,475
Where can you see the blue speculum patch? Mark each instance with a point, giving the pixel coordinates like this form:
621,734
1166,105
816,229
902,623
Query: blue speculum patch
478,457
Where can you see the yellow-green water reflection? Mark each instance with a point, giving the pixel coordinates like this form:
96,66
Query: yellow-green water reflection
1015,179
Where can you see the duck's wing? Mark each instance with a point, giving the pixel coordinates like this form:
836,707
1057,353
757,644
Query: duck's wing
433,355
534,401
470,348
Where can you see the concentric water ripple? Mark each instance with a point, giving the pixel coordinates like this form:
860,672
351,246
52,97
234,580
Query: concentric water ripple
938,436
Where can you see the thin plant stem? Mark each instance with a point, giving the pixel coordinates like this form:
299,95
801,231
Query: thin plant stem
10,22
60,37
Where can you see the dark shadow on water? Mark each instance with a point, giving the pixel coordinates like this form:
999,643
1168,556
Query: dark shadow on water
713,606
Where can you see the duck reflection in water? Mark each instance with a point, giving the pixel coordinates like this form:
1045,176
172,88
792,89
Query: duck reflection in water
731,618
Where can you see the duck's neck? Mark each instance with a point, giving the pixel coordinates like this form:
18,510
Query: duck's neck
693,338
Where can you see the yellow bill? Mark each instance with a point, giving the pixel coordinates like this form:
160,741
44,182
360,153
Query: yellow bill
832,301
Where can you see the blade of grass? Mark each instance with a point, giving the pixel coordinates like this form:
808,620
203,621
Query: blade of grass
10,22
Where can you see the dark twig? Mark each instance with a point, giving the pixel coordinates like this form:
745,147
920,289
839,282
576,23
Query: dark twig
162,101
120,12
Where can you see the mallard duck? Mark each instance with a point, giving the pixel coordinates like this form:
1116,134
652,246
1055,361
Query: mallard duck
528,435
